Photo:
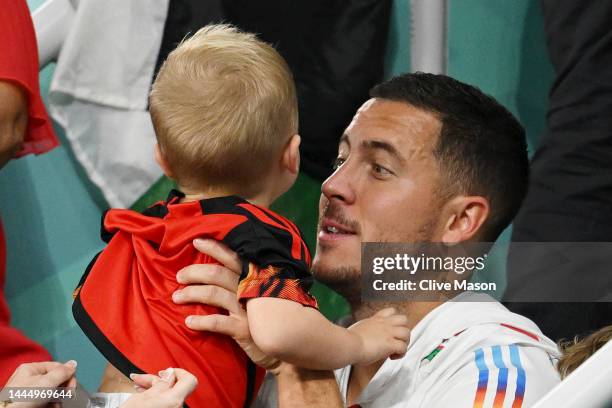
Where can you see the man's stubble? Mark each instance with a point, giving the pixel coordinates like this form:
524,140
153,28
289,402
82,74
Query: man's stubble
346,279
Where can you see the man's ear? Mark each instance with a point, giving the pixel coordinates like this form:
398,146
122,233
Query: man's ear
466,216
290,158
161,160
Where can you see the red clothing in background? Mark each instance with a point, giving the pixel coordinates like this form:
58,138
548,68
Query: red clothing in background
19,65
15,348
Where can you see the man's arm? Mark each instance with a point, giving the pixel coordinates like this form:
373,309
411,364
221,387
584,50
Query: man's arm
13,120
217,285
299,388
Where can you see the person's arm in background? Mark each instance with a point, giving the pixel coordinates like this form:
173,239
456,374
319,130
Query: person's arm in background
13,120
217,285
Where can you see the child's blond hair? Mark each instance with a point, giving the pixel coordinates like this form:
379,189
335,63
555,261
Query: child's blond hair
576,352
223,105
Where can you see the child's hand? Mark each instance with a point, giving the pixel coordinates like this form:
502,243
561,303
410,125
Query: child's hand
386,334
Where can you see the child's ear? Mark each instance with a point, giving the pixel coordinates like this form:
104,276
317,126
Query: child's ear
161,160
291,154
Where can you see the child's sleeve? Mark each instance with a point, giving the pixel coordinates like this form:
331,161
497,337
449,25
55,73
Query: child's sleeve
275,258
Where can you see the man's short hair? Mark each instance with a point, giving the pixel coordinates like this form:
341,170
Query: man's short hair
223,105
481,149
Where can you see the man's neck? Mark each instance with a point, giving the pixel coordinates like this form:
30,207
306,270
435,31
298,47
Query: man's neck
415,311
361,375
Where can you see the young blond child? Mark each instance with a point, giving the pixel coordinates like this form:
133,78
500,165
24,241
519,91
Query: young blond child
224,109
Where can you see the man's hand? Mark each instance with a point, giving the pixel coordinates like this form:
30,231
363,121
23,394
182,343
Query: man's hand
169,390
383,335
216,285
48,374
13,120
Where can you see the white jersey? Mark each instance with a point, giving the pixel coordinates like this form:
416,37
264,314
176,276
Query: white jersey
469,352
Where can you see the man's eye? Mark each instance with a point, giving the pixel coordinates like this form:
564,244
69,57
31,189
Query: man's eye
380,170
338,162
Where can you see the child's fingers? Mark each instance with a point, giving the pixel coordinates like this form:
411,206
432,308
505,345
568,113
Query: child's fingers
396,356
389,311
399,347
398,320
404,335
401,333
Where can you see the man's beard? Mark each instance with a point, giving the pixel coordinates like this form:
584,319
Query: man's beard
344,280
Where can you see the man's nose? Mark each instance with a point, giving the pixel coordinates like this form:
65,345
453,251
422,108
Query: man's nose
339,185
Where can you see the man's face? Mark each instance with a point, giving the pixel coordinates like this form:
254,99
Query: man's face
385,189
